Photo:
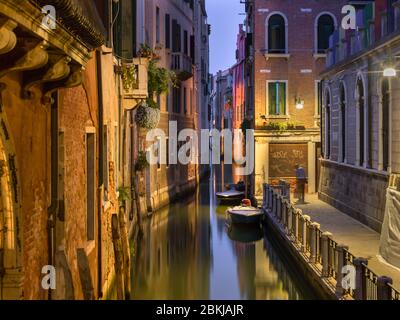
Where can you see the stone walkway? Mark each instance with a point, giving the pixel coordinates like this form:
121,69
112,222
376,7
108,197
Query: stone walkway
362,241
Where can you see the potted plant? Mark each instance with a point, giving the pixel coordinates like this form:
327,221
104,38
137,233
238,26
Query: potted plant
147,117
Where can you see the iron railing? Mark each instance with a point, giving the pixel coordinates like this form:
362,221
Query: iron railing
293,223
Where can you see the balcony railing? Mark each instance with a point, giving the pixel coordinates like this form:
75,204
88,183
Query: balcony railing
182,65
134,81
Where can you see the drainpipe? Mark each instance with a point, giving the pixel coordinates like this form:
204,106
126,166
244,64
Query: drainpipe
101,170
53,209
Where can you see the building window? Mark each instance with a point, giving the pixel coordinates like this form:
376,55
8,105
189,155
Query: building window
158,31
176,93
277,34
105,162
159,153
277,93
343,123
318,98
361,115
167,31
327,125
90,184
385,124
177,36
185,42
325,28
167,152
185,110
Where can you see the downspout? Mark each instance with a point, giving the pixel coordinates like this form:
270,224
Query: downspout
101,171
53,209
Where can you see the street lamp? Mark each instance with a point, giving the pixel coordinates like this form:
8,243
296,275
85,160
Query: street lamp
299,104
389,72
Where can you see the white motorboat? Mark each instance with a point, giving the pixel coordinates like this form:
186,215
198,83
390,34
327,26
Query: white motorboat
230,195
245,214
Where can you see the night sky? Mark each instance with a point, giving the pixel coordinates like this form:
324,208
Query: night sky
223,15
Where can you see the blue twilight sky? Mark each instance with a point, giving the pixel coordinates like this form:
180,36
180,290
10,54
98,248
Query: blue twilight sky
223,15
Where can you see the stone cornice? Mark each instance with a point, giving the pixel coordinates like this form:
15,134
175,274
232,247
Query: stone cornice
81,18
29,17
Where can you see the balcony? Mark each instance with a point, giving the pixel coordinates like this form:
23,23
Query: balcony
134,82
182,65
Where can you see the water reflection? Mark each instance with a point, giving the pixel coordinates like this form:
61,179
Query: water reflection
188,252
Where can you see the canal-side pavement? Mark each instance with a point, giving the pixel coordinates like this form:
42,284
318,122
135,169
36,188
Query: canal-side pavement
362,241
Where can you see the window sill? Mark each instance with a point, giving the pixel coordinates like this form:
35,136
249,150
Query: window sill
320,56
277,56
278,117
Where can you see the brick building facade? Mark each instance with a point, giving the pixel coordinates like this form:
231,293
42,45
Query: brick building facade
285,84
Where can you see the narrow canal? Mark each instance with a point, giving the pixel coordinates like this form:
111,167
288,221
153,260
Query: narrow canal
188,252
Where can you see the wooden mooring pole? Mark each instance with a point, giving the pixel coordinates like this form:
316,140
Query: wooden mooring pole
126,252
119,258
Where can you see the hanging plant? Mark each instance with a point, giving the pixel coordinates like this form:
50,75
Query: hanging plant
141,162
147,117
129,77
145,51
160,79
124,194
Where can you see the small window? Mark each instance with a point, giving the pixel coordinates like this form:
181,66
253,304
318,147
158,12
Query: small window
326,27
105,162
185,110
167,31
159,153
90,184
176,93
319,98
328,125
277,98
185,42
276,34
158,31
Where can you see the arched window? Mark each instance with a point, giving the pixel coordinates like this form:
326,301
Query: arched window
361,115
385,123
325,28
277,34
327,125
343,123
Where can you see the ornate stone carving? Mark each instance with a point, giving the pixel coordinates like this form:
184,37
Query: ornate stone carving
58,70
74,80
8,39
33,59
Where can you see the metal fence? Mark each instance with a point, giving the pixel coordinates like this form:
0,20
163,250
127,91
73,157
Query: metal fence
321,249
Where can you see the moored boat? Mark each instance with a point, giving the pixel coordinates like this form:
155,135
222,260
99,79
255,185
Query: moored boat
245,213
230,195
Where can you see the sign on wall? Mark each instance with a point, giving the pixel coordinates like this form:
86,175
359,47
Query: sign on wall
284,157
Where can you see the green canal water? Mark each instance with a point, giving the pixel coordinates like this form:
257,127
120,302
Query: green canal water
189,252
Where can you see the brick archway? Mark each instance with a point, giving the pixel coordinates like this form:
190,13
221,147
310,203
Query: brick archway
11,270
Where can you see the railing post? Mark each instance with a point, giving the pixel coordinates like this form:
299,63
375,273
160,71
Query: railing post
305,220
297,214
271,202
284,209
290,219
361,281
384,292
340,249
326,236
313,241
278,207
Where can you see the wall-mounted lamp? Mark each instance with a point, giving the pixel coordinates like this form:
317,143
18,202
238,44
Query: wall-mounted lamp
299,104
389,72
